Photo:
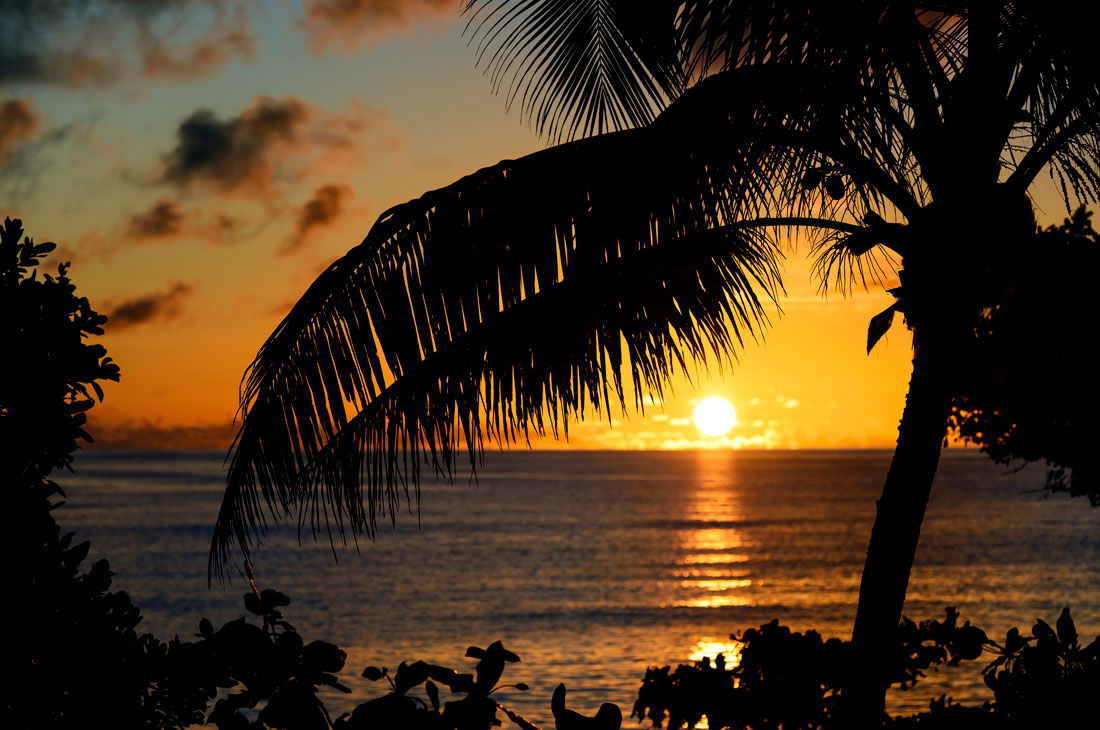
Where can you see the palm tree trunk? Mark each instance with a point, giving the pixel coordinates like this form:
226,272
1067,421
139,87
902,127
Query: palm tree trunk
897,529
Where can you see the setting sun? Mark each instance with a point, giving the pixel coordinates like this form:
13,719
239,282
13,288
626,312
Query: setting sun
714,416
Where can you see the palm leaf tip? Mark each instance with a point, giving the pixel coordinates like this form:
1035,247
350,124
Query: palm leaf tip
578,68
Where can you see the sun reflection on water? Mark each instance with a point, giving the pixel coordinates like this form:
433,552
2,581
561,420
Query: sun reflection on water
709,573
713,558
712,574
716,585
711,539
714,601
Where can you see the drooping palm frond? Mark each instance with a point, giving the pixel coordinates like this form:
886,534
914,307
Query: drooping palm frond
500,304
448,309
532,368
579,67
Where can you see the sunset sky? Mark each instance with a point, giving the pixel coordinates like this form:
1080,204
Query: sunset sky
199,163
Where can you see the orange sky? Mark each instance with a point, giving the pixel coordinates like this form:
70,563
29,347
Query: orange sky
333,119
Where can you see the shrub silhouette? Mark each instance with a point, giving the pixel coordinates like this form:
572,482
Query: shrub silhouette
48,368
1031,385
73,658
789,680
271,665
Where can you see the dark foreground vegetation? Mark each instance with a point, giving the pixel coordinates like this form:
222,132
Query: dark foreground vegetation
73,657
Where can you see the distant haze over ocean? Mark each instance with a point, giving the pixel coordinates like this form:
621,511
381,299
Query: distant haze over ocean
592,565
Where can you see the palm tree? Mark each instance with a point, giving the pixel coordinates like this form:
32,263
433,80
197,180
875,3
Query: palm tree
702,133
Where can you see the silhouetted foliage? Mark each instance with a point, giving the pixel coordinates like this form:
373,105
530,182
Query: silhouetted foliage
784,679
1047,679
269,664
475,711
47,368
75,659
1031,390
273,672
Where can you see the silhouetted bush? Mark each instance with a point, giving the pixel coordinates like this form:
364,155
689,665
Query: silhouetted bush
47,368
73,658
271,671
794,681
1030,391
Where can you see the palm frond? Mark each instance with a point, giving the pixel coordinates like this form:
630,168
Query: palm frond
1054,98
532,368
578,67
837,266
435,295
499,305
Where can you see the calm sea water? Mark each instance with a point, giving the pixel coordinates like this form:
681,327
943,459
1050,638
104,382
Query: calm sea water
593,565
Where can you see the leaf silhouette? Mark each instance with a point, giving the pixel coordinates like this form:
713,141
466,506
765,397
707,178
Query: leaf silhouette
879,326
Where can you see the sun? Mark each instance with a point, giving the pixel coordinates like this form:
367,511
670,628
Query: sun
714,416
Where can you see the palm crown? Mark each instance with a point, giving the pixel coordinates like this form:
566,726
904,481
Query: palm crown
703,132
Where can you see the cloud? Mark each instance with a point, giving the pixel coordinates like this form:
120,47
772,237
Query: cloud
98,42
320,211
163,60
350,23
271,143
18,122
220,228
28,143
151,307
163,220
237,153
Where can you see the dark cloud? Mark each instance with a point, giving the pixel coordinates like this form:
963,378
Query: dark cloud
151,307
18,122
320,211
273,145
96,42
237,153
164,219
349,22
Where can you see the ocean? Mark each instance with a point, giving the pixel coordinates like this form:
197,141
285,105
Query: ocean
592,566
